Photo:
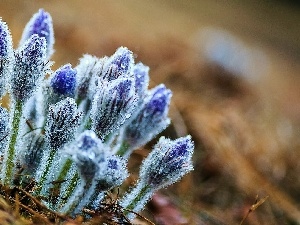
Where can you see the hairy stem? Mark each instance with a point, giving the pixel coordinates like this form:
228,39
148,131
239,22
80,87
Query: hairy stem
80,197
8,168
123,149
72,186
46,171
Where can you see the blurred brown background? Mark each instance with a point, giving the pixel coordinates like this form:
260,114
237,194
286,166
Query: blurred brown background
234,69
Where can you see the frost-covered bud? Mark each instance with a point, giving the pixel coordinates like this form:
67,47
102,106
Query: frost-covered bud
119,64
63,81
4,129
89,69
6,57
62,121
32,151
113,104
151,119
87,151
168,162
29,68
141,74
40,24
112,174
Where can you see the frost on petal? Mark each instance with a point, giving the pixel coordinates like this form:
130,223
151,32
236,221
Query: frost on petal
168,162
4,129
6,57
40,24
112,106
87,151
34,109
62,122
112,173
119,65
63,81
141,74
151,119
29,68
88,71
33,146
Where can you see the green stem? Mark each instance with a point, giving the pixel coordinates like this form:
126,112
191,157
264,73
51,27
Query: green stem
80,197
46,171
72,186
10,160
63,172
142,193
123,149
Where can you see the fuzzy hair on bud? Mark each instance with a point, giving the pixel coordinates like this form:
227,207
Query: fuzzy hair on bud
119,65
168,162
6,57
29,68
63,81
151,119
40,24
141,75
62,122
89,71
112,106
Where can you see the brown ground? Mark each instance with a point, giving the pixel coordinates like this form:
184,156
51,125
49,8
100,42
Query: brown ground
245,126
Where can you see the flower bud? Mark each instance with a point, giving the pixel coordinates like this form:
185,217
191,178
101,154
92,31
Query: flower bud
6,57
151,119
168,162
112,106
29,68
119,65
89,69
62,122
63,81
40,24
87,151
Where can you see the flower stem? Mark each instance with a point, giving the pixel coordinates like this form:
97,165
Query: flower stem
46,171
79,198
72,186
10,160
65,169
123,149
136,199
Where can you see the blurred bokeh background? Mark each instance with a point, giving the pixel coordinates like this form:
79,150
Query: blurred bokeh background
234,68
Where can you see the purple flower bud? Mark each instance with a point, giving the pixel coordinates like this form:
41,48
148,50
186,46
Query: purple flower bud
119,65
6,57
168,162
112,173
87,151
29,68
62,122
40,24
88,69
141,74
112,106
151,119
63,81
33,151
5,41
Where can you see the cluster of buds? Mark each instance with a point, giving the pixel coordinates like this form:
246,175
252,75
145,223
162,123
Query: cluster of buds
78,126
